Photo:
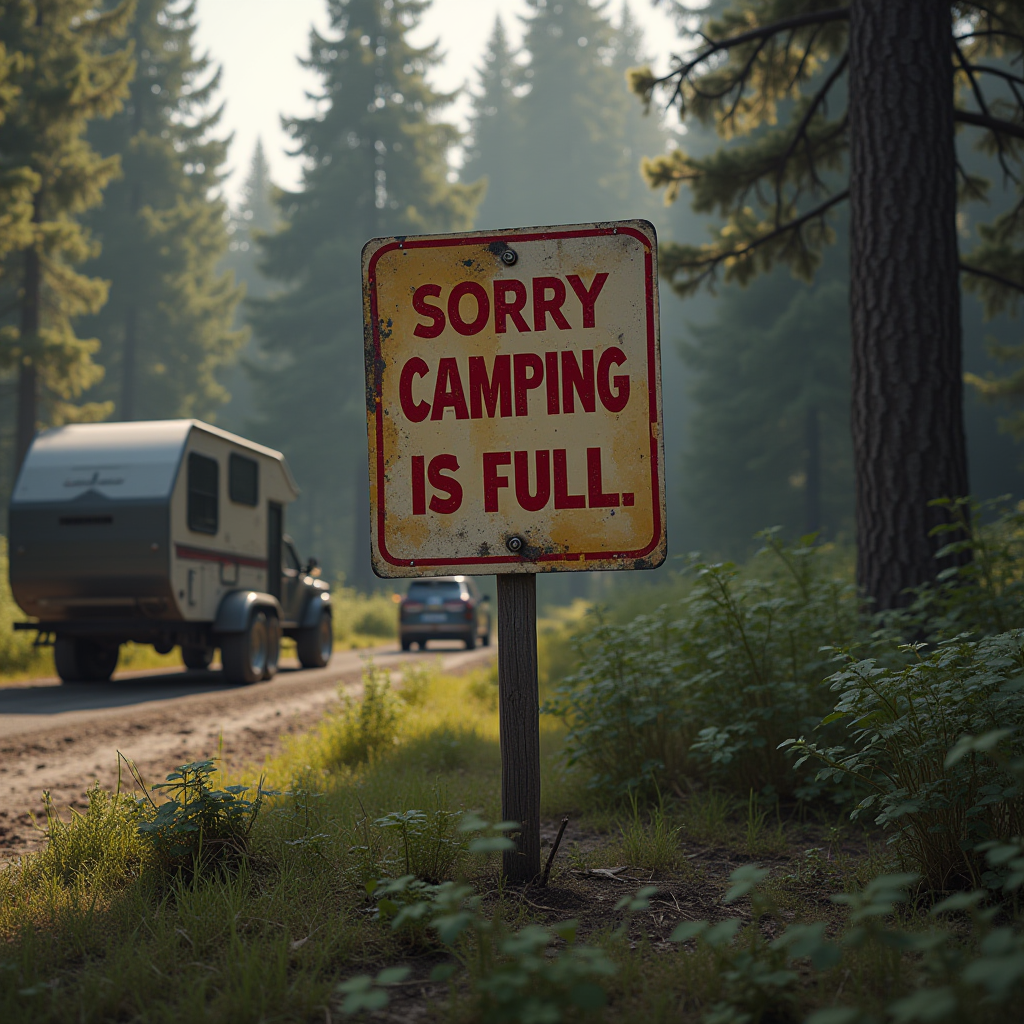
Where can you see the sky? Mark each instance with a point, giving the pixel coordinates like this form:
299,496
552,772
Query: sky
257,43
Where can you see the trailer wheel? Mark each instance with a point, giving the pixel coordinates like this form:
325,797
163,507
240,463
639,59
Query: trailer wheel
196,659
79,660
245,654
316,643
273,646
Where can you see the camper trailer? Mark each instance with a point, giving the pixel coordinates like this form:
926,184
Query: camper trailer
168,533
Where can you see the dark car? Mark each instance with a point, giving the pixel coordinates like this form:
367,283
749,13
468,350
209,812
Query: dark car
444,608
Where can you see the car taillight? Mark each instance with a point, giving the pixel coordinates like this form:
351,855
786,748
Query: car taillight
454,606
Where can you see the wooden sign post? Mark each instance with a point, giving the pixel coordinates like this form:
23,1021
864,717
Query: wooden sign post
513,401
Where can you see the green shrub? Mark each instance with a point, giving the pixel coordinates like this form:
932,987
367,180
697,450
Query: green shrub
363,728
197,825
356,615
983,595
945,979
911,743
713,685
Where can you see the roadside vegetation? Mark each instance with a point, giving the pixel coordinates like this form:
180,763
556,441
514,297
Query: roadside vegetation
781,809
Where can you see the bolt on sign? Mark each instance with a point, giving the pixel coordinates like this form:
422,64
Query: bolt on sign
513,387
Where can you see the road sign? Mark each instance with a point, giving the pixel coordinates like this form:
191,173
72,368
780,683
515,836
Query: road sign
513,389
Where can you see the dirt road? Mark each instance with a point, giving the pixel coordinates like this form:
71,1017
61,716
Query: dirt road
62,738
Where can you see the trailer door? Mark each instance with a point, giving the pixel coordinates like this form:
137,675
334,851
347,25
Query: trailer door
275,538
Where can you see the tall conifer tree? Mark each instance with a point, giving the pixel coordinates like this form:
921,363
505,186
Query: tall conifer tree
376,164
494,147
255,217
67,75
167,327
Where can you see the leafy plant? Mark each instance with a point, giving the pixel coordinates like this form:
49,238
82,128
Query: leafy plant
710,687
197,824
915,743
985,593
953,980
364,728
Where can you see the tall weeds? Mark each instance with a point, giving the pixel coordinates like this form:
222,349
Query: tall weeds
712,685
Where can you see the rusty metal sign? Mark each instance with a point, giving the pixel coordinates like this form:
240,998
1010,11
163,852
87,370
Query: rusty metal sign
513,398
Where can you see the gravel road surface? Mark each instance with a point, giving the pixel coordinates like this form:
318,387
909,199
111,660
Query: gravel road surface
63,737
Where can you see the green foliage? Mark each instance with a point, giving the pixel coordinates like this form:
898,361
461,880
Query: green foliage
536,973
374,163
197,825
101,844
713,685
65,68
363,729
167,326
430,844
953,981
356,616
939,743
984,594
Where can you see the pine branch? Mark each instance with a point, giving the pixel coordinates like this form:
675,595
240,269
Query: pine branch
761,34
801,131
993,124
979,96
997,278
740,252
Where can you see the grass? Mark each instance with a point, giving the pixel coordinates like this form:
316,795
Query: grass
91,929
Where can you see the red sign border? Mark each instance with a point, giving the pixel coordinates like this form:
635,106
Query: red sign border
652,390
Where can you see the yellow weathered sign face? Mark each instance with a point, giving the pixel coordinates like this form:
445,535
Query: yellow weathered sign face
513,391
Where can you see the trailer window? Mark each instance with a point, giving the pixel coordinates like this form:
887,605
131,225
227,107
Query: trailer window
243,480
202,493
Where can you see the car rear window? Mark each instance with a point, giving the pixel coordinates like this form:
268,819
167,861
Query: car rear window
445,590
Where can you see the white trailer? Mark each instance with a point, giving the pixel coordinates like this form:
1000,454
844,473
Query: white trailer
168,532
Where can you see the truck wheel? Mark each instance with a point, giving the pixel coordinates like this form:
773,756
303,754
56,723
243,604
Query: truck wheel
316,643
273,646
245,654
196,659
79,660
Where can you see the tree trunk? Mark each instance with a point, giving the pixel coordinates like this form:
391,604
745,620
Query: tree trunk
812,472
28,376
128,360
907,391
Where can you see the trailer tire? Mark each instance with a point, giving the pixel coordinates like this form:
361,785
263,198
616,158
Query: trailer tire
196,659
244,654
273,646
316,643
80,660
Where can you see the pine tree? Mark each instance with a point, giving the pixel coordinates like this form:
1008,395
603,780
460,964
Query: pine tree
886,143
376,164
494,144
569,149
68,75
167,326
255,217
